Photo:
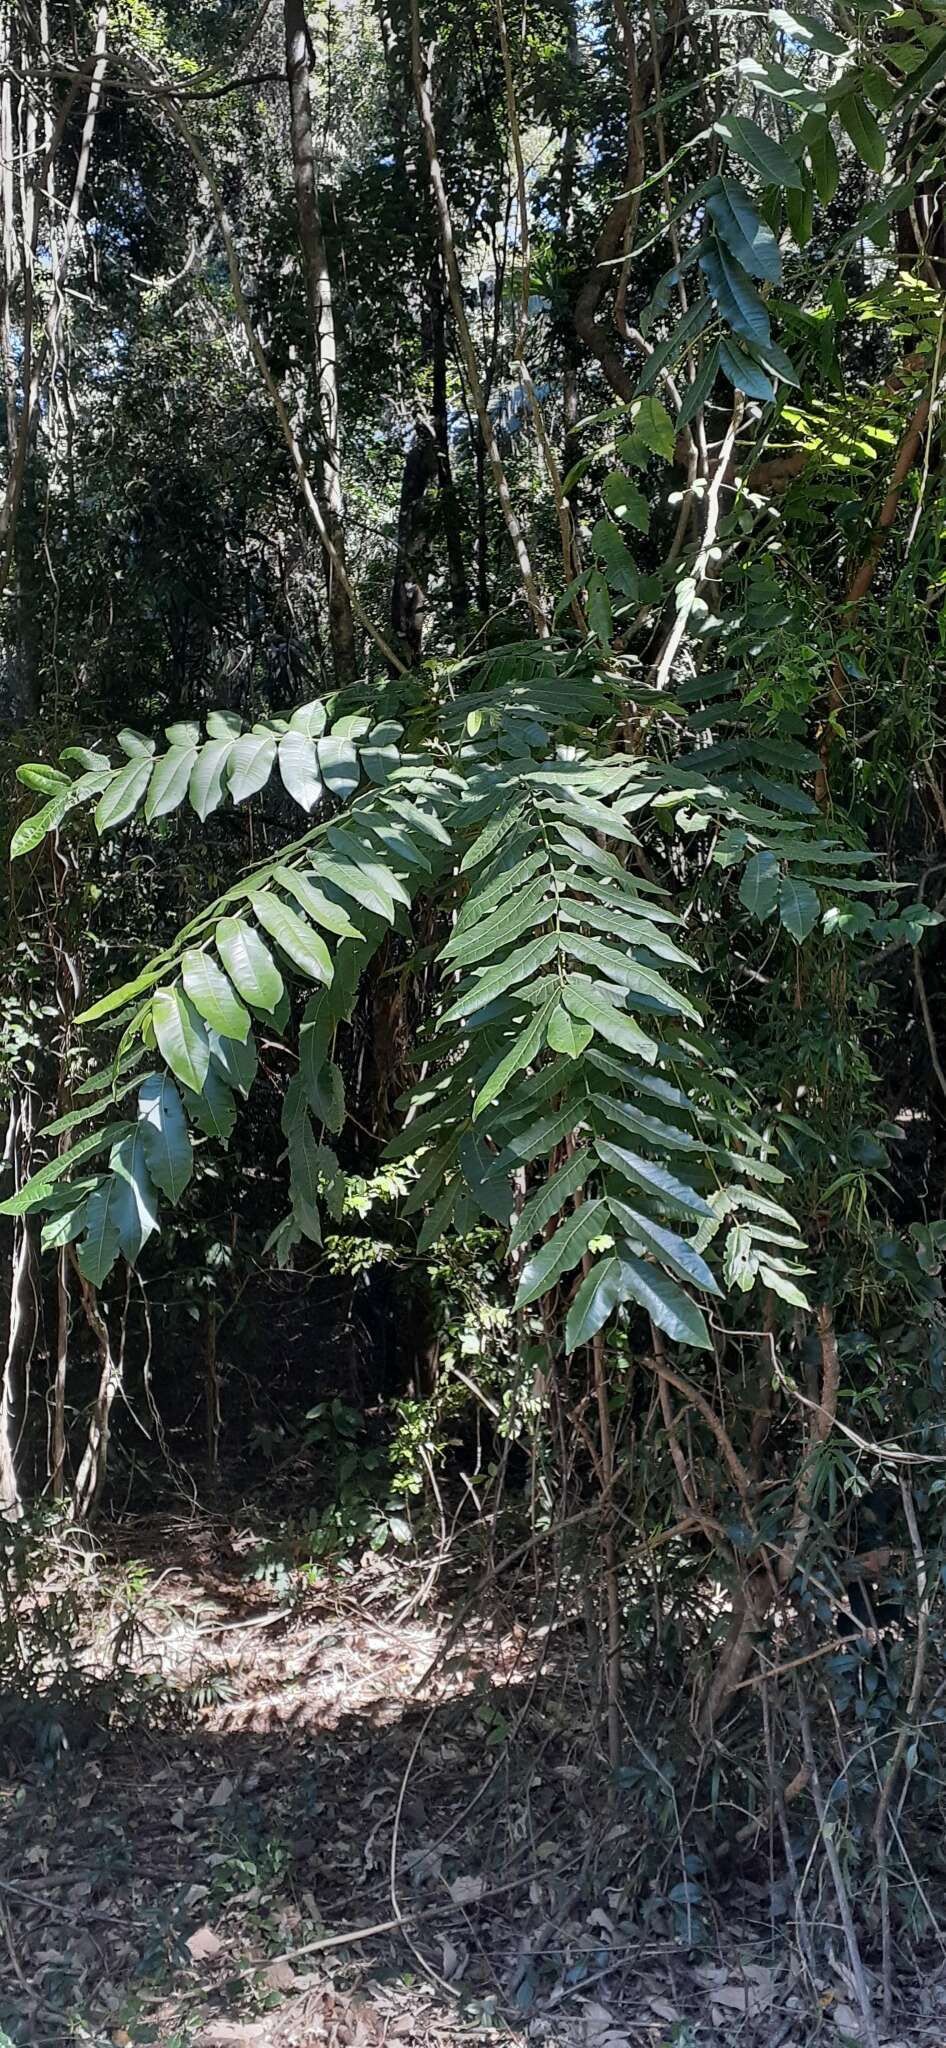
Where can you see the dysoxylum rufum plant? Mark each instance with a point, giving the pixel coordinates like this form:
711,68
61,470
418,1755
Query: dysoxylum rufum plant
565,1051
569,1085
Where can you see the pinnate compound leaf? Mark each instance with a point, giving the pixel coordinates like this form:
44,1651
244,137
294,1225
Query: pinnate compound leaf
167,1146
249,963
213,996
563,1251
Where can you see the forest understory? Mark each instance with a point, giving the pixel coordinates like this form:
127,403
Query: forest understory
272,1813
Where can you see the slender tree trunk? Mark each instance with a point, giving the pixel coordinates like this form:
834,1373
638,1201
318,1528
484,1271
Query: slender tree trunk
93,1464
318,287
449,502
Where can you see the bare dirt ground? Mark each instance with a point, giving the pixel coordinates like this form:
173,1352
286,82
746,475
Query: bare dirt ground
366,1828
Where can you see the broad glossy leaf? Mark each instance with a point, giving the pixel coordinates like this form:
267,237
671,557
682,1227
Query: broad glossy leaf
99,1247
568,1035
602,1290
309,719
363,888
617,561
33,830
745,234
299,942
654,426
224,725
35,1192
326,1092
338,763
212,995
626,500
45,780
735,294
181,1038
607,1020
549,1200
213,1110
169,782
299,768
137,745
249,963
751,143
822,156
665,1302
524,1050
235,1062
744,373
645,1173
562,1252
208,781
507,974
124,793
136,1205
331,915
664,1136
167,1147
863,129
758,890
250,764
798,907
667,1246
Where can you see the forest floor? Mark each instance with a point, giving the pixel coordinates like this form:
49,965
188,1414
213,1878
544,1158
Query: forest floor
363,1828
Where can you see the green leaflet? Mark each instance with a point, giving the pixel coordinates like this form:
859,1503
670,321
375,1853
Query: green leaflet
671,1249
167,1147
602,1290
562,1251
607,1020
568,1035
744,373
508,973
750,142
45,780
123,793
735,294
208,776
549,1200
213,1110
250,764
519,1055
169,781
309,719
33,830
508,922
33,1194
362,888
318,907
181,1038
640,980
673,1194
299,768
135,1211
822,156
758,890
654,426
620,569
798,907
298,941
665,1302
234,1062
747,237
212,995
249,963
667,1137
626,500
338,765
99,1247
136,744
863,129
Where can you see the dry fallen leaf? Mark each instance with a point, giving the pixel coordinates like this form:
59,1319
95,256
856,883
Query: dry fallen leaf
223,1793
464,1891
280,1977
203,1944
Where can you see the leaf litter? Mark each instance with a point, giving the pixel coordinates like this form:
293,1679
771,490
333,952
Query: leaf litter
224,1875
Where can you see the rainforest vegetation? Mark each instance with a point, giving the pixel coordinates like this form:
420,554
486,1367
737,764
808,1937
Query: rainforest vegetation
473,1015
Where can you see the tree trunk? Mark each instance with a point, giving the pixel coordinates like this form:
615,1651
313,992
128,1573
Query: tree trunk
324,362
449,502
409,596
